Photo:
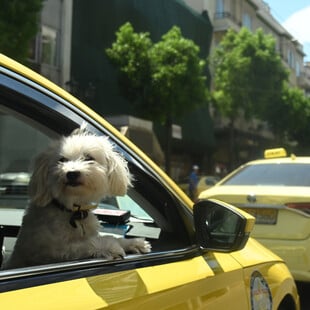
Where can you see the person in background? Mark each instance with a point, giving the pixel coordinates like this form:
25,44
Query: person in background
193,182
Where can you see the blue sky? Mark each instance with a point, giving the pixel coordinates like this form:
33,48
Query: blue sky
294,15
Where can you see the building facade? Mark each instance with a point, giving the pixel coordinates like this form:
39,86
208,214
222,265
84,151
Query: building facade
69,50
254,14
51,49
254,135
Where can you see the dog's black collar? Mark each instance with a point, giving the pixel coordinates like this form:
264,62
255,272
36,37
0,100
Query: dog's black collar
75,216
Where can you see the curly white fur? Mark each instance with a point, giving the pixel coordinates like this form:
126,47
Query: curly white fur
68,178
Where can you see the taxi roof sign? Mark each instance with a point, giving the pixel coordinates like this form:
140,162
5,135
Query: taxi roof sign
275,153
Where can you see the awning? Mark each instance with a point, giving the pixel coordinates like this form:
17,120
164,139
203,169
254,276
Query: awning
141,133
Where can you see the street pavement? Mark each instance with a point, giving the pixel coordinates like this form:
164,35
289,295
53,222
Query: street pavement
304,294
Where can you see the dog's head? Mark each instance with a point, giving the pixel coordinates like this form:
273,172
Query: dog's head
77,170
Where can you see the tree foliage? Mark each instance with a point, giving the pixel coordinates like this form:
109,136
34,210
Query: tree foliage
178,74
129,53
251,78
249,74
18,25
294,120
162,80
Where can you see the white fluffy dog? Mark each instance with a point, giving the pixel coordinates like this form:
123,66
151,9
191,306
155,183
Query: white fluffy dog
71,176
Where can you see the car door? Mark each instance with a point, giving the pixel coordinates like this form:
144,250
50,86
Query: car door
175,275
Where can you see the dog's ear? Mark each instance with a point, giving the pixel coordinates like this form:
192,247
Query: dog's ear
119,176
82,130
38,187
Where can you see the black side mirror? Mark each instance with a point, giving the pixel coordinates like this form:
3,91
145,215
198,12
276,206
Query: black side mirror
220,226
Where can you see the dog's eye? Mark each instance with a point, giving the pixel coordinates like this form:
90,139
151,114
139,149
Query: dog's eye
88,158
62,159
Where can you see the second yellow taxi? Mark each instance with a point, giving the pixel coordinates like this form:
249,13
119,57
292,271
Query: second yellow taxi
276,191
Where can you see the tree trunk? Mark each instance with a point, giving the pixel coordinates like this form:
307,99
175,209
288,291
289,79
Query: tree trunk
168,138
232,146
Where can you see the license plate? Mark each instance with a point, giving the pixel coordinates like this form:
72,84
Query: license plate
263,215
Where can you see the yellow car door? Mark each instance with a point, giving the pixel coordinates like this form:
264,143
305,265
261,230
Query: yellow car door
188,284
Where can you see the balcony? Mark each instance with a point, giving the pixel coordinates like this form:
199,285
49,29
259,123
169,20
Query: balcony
222,21
303,81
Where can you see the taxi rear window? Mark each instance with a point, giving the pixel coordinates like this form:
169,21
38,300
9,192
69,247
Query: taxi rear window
280,174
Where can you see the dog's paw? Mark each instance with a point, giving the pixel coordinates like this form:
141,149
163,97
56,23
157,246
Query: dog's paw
108,247
116,252
135,245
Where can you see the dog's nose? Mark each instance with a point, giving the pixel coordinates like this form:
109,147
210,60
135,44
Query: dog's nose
73,175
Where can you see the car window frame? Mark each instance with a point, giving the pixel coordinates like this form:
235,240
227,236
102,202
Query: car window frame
31,276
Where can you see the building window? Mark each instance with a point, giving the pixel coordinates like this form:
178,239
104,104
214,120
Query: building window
219,6
219,11
297,69
247,21
49,46
290,59
33,54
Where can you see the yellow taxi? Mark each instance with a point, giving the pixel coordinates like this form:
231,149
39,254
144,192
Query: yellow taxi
202,256
276,190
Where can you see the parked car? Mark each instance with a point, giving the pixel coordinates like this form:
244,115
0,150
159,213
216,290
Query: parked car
202,256
276,191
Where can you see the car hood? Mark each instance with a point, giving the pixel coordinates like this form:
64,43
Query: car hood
254,253
264,194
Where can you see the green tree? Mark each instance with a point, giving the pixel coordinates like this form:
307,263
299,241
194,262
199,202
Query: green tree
293,120
162,80
18,25
249,76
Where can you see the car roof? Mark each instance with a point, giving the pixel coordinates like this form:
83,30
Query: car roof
280,160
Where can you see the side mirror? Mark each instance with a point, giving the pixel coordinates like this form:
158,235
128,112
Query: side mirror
220,226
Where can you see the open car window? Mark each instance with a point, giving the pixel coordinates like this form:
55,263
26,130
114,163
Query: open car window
19,142
27,127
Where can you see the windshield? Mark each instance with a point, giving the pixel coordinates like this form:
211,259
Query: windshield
290,174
